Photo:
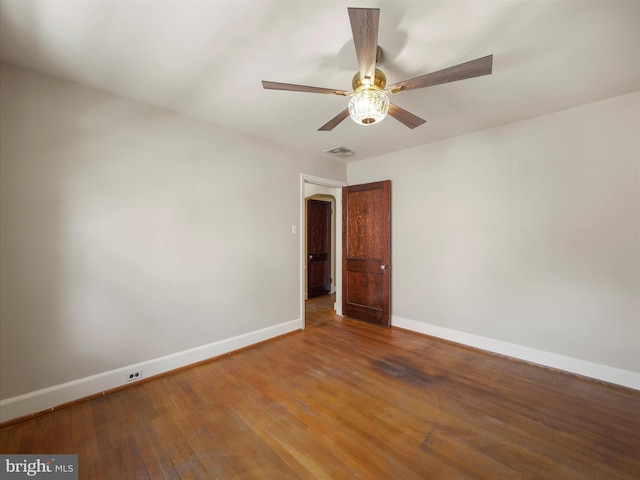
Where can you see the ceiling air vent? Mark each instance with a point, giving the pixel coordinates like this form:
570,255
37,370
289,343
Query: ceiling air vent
339,152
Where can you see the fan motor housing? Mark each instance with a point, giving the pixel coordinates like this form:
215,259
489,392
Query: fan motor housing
379,80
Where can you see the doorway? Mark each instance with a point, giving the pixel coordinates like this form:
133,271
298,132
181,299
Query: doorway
326,190
320,245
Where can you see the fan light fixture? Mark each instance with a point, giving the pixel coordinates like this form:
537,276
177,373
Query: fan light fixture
369,103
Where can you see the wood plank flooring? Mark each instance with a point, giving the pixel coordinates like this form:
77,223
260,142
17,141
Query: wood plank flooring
347,400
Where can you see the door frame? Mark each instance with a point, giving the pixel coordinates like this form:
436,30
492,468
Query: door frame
337,186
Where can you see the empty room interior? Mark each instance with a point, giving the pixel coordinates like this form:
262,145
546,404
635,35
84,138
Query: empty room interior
324,240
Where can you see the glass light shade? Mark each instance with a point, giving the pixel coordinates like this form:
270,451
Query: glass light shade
368,106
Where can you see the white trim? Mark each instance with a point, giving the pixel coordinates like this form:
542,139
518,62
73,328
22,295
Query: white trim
325,182
574,365
50,397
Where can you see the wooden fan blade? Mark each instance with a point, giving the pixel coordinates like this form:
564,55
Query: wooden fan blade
331,124
474,68
409,119
300,88
364,26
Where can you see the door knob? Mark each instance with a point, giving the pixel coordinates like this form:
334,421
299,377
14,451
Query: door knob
382,267
310,256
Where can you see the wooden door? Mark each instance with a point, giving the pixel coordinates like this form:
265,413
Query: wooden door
366,252
318,248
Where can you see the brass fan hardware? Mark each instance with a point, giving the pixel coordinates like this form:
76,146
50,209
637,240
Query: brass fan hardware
369,100
379,80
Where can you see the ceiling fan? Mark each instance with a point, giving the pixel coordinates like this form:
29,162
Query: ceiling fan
369,102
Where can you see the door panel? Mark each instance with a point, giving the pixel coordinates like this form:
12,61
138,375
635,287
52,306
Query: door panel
366,236
318,248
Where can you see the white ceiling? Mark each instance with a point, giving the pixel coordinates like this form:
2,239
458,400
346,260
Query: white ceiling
206,59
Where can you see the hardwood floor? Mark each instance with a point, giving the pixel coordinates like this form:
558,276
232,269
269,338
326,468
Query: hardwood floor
347,400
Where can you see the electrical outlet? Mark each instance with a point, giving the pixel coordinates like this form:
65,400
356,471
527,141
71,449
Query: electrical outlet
132,376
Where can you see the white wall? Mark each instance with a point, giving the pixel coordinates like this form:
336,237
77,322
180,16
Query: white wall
129,233
526,235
